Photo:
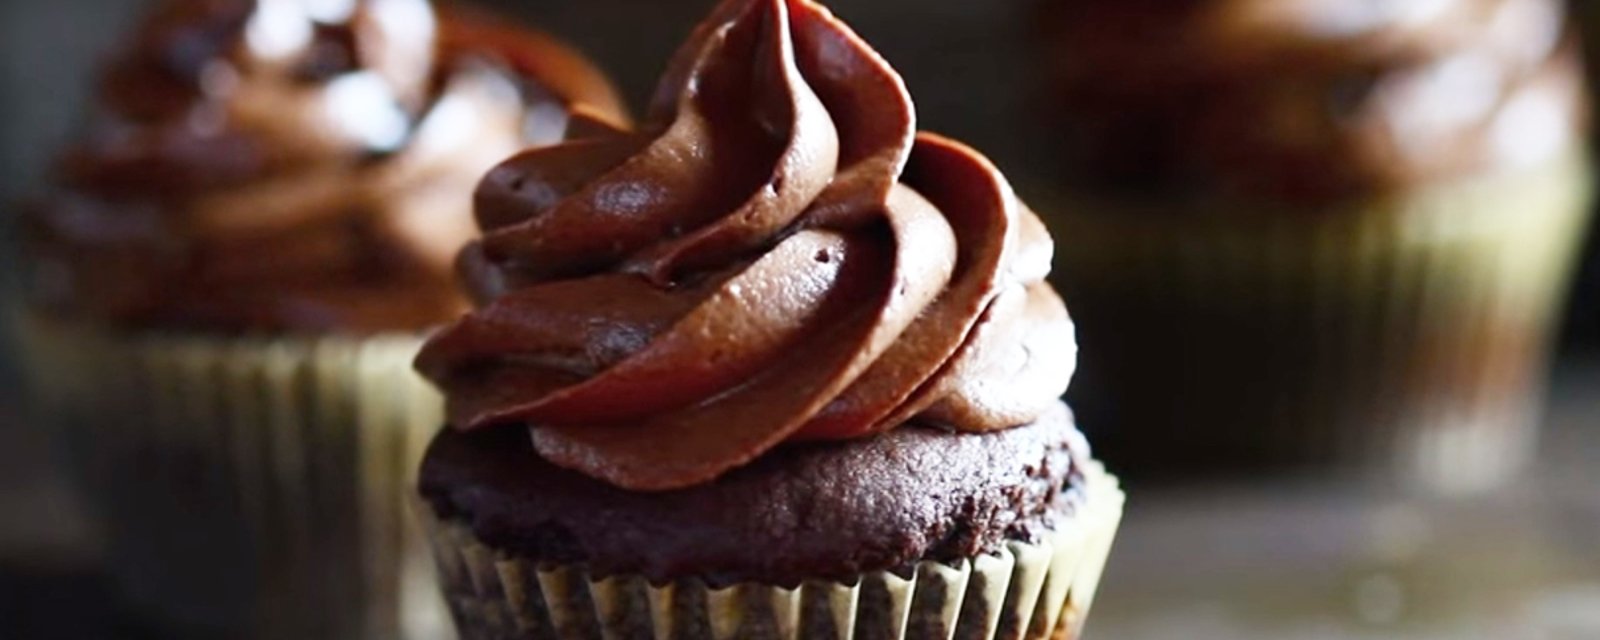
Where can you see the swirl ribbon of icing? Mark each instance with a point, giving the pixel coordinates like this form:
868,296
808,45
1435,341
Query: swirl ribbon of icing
775,256
274,165
1308,99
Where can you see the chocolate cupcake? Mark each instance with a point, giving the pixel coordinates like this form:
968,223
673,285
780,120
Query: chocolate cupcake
771,364
232,270
1311,235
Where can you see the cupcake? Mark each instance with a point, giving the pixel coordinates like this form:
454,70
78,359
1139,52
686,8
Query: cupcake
231,272
1316,236
773,364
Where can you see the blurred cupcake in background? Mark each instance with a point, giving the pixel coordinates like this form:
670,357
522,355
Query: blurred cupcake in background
773,365
1316,234
232,270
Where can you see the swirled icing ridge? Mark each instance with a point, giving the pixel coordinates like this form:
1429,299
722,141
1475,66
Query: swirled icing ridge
775,255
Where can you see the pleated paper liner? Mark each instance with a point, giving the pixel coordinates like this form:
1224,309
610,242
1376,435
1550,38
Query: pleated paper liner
1404,338
1033,591
250,487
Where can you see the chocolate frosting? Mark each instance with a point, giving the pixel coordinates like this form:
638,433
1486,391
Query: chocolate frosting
775,255
804,512
287,165
1307,99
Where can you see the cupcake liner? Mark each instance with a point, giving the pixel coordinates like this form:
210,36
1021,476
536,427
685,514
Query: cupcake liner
1031,591
253,487
1405,335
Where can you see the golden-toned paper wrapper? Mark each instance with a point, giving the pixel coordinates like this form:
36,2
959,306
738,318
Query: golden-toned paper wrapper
254,488
1032,591
1404,338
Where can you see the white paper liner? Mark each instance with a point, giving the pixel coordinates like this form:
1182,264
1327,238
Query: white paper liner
1026,591
1420,324
250,487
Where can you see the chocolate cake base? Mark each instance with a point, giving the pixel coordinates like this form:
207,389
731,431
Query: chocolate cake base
826,511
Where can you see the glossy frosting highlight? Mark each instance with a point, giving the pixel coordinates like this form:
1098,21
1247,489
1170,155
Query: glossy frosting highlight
775,255
1307,99
292,165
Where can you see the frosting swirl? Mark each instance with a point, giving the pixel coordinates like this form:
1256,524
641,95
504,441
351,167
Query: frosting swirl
776,255
1308,99
289,165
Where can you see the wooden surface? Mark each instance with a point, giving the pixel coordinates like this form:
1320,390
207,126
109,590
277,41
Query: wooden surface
1304,561
1331,562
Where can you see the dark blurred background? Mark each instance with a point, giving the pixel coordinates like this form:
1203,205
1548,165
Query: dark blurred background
1355,560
